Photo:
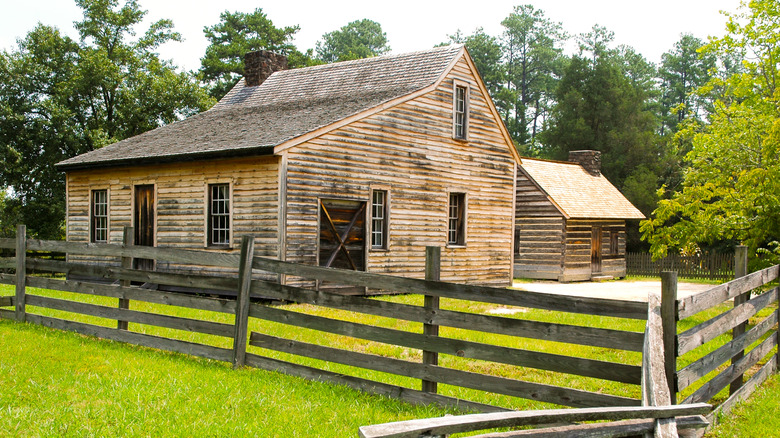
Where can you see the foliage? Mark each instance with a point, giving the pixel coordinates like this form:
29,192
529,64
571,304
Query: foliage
486,52
236,34
60,98
731,189
358,39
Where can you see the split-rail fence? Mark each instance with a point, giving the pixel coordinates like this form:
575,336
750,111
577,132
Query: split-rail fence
121,281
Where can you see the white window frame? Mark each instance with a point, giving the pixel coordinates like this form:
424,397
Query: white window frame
461,109
93,228
209,216
384,221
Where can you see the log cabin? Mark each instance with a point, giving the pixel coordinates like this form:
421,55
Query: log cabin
357,165
570,221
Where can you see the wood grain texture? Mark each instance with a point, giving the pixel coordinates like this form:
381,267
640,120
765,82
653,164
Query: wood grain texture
696,303
427,372
21,271
611,429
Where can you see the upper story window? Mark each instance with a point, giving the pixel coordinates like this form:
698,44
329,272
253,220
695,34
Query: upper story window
456,219
219,215
98,217
379,220
460,117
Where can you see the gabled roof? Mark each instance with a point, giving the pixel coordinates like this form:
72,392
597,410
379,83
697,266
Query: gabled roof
577,193
288,105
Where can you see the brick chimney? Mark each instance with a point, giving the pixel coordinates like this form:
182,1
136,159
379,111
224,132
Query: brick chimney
261,64
588,159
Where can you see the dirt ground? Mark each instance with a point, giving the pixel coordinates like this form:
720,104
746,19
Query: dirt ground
619,289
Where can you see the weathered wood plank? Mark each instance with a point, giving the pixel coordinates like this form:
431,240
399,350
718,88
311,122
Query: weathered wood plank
7,262
511,356
128,239
724,379
538,300
189,256
183,347
190,280
7,301
7,314
747,389
696,303
138,294
431,304
655,387
369,386
21,271
709,330
512,387
571,334
7,278
710,362
740,270
7,243
596,430
464,423
242,301
173,322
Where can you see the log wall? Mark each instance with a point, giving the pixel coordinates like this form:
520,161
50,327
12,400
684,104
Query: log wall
577,255
180,198
409,150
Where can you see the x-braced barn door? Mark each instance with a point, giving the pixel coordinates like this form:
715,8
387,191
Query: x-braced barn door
343,234
144,222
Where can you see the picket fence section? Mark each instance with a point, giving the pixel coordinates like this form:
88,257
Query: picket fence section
706,266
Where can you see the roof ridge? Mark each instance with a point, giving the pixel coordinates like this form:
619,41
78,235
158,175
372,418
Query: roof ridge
545,160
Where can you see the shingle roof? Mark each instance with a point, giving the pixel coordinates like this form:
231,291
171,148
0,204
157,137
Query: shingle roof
290,103
578,193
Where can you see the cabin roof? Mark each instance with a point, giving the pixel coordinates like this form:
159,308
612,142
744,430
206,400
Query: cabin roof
577,193
289,104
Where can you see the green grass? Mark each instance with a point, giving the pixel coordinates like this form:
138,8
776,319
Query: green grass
107,388
758,416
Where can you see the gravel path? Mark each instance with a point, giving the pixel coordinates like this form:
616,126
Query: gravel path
619,290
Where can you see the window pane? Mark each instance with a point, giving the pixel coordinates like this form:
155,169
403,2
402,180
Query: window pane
379,219
99,216
455,219
219,214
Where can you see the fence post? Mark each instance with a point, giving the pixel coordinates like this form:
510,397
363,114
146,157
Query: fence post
21,271
740,270
242,301
433,273
127,262
669,324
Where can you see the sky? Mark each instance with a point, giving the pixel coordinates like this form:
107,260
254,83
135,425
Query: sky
650,27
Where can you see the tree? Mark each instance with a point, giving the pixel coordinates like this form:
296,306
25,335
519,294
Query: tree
486,52
732,189
533,59
60,98
358,39
236,34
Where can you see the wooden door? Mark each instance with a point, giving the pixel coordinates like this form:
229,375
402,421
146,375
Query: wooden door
595,251
144,222
343,234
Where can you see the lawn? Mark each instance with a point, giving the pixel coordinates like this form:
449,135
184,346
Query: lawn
58,383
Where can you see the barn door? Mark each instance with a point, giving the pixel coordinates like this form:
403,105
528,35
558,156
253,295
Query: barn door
343,234
595,251
144,222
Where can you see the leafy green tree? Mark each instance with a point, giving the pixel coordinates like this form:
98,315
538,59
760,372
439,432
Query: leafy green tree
236,34
533,59
358,39
486,52
732,189
60,98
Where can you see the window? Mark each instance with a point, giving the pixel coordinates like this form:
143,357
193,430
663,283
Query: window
219,215
460,112
99,216
614,248
457,212
379,219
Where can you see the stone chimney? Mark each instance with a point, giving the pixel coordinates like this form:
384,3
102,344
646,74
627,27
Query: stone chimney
588,159
261,64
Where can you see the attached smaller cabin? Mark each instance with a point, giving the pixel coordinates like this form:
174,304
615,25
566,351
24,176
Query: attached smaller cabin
570,221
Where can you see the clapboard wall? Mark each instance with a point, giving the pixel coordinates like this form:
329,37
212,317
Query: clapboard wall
409,150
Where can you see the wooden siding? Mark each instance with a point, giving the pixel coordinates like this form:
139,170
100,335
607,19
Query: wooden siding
577,255
409,151
180,189
539,231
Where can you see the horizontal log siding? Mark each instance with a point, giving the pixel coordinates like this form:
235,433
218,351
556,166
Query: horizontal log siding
180,211
408,150
539,232
578,237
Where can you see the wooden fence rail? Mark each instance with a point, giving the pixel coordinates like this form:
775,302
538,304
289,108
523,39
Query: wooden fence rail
119,280
707,266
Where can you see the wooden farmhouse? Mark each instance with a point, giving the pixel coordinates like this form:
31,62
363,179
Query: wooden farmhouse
570,221
357,165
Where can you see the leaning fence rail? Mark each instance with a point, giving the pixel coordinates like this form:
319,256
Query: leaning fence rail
244,284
